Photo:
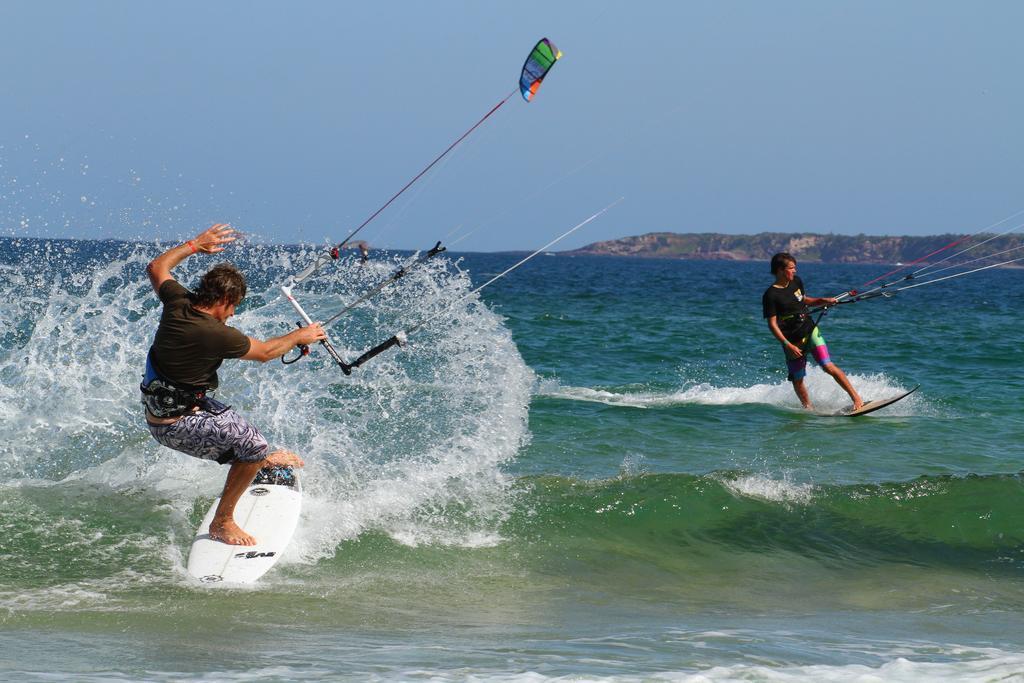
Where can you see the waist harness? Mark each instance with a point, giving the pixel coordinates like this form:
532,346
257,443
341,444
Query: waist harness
797,327
164,398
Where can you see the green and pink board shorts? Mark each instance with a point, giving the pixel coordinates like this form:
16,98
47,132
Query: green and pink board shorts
797,365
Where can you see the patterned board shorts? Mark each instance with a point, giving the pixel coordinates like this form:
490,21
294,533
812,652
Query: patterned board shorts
214,432
815,346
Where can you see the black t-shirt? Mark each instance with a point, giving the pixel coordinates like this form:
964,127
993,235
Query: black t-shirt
190,345
788,307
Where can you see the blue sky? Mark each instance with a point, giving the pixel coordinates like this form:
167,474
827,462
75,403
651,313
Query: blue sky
295,121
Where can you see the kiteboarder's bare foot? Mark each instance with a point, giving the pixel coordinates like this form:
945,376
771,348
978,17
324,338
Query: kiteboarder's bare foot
857,404
226,531
283,459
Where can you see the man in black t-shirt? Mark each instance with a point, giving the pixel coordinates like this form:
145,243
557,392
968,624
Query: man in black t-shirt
785,305
181,371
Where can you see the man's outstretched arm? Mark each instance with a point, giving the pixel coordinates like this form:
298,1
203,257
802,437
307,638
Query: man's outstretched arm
208,242
262,351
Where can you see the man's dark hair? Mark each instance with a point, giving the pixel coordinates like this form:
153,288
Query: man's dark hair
780,261
223,282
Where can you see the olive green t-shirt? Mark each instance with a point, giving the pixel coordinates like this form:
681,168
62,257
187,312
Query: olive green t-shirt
190,345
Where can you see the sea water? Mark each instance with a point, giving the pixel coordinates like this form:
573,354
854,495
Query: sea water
594,470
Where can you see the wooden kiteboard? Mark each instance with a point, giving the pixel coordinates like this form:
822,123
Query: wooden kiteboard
872,406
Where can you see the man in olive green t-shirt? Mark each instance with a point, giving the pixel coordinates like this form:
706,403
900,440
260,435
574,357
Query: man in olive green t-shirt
181,370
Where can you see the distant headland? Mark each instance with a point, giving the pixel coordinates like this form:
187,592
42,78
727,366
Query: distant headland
805,246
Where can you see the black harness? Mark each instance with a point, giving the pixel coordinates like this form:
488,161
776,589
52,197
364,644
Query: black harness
166,399
797,327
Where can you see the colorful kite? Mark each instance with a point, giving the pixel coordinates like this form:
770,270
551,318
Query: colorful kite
540,61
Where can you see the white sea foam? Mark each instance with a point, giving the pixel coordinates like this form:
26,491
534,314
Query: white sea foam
766,488
983,668
410,445
826,395
976,667
996,667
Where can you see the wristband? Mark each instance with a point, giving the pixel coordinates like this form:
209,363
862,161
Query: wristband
192,247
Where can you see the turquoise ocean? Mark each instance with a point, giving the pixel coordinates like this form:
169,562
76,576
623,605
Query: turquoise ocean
594,469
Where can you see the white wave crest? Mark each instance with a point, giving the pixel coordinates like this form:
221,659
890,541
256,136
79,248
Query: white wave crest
825,394
410,445
766,488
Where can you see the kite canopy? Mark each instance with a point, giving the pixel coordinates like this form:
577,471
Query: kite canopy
540,61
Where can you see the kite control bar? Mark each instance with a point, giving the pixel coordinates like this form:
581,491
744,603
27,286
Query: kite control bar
345,367
397,340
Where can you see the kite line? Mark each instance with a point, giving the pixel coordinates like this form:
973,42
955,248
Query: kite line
536,67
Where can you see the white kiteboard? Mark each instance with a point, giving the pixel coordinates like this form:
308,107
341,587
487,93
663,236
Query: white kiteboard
872,406
269,511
